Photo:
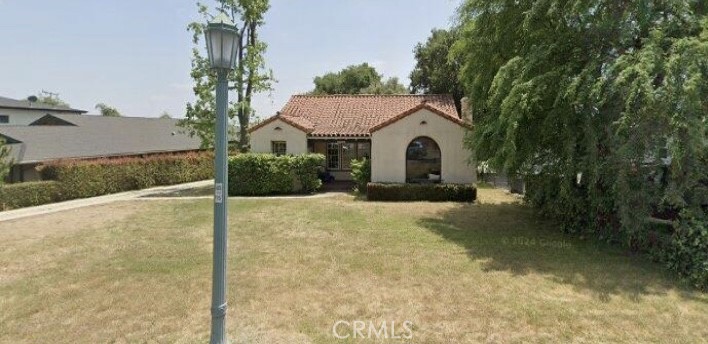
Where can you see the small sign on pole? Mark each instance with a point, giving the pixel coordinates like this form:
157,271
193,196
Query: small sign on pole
218,192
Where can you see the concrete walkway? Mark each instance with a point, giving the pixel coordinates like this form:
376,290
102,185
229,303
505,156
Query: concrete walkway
143,195
84,202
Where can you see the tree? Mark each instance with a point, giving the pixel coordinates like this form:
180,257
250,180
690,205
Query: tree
50,98
165,114
357,79
436,72
249,77
107,110
390,86
5,161
603,104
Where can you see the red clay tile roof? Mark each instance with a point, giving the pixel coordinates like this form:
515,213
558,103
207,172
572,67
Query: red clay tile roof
301,123
357,115
414,110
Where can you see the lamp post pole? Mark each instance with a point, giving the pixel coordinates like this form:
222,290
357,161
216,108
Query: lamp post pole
218,292
222,46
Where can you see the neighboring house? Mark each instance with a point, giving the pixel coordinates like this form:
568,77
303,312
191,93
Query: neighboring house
24,112
55,137
409,138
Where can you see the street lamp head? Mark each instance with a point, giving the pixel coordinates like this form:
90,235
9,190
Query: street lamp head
222,42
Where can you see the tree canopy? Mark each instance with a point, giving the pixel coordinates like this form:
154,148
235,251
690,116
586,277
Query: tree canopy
357,79
436,71
51,99
250,75
107,110
603,104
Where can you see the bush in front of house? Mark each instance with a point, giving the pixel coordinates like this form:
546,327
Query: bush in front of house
89,178
361,173
29,194
421,192
253,174
306,167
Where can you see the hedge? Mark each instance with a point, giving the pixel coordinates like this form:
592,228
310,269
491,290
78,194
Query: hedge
89,178
29,194
267,174
421,192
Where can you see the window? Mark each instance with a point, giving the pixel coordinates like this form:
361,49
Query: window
333,155
363,150
423,161
340,154
4,119
279,147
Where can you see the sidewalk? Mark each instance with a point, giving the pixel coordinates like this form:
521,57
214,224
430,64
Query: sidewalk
139,195
84,202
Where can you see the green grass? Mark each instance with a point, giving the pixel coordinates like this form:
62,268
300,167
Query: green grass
140,272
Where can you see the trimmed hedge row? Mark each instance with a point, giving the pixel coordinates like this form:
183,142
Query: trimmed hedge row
267,174
421,192
29,194
89,178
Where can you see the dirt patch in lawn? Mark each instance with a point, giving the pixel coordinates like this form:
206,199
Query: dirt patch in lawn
38,227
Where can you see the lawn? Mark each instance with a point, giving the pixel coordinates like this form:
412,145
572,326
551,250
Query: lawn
492,272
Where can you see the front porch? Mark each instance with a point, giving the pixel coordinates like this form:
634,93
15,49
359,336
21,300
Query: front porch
339,153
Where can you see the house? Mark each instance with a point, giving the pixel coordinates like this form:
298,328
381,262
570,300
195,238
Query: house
409,138
64,136
24,112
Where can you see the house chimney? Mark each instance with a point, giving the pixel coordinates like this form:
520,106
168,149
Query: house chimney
466,107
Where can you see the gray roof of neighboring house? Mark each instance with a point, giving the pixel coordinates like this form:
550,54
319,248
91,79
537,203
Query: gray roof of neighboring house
8,103
95,136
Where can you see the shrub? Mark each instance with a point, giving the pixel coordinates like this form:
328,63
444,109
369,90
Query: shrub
268,174
421,192
361,173
29,194
306,167
687,253
89,178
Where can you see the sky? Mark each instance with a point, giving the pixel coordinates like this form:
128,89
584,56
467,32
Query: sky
135,54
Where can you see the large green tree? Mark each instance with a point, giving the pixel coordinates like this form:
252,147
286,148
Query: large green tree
436,71
604,103
357,79
249,77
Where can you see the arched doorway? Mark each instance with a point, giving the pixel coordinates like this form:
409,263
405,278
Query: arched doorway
423,161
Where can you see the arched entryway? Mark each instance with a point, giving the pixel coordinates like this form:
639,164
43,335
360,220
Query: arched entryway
423,161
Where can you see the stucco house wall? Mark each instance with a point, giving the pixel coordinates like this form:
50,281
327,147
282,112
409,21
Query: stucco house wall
389,144
296,139
25,117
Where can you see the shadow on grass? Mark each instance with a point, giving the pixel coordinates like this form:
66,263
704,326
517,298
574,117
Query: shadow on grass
510,238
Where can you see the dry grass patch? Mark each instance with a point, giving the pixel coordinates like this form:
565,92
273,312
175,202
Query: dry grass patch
139,272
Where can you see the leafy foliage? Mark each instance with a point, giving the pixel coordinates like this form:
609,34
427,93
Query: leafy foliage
268,174
250,75
107,110
357,79
604,103
5,161
421,192
80,179
436,72
29,194
51,99
361,173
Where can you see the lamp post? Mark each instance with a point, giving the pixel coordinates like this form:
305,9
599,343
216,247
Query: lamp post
221,40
